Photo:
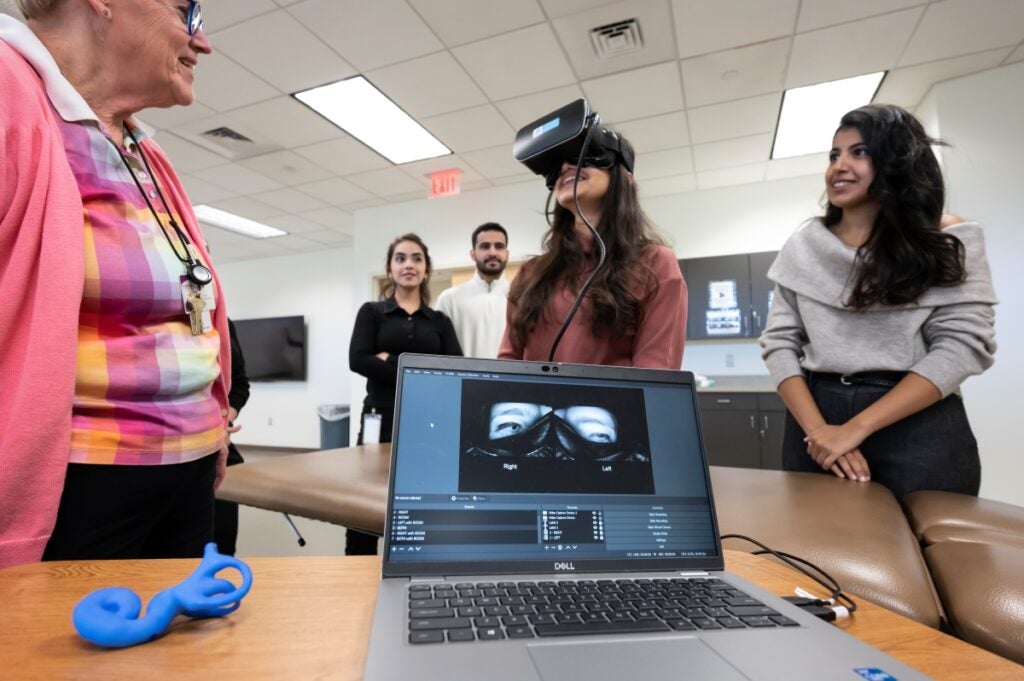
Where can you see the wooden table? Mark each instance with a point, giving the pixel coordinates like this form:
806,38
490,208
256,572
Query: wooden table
342,486
309,618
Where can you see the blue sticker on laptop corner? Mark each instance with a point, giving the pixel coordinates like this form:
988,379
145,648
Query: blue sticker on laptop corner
875,674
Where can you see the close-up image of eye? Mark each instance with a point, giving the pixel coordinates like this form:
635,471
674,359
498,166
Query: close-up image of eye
594,424
510,418
539,438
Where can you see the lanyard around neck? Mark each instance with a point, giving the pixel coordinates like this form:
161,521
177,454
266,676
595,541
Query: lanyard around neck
196,272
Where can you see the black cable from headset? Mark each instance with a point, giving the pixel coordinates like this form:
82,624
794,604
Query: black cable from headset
792,561
602,251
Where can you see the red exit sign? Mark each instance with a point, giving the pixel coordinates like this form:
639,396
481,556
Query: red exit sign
445,183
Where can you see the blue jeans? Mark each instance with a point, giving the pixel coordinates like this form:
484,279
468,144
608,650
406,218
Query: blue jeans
933,449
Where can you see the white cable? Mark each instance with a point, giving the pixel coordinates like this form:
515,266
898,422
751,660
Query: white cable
841,612
803,593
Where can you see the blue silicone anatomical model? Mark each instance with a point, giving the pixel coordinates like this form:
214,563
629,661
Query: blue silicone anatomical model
110,617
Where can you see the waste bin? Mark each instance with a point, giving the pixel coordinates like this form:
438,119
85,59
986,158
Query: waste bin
334,425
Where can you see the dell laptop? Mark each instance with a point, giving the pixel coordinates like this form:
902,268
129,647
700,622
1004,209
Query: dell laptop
556,522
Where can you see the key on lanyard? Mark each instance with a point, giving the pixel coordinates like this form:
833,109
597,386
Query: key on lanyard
195,306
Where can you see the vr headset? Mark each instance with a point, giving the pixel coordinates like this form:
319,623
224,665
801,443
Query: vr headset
560,137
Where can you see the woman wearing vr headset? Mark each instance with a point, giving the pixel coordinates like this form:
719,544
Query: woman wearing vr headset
634,314
882,307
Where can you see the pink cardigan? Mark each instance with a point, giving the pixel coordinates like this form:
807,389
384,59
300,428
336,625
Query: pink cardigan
41,281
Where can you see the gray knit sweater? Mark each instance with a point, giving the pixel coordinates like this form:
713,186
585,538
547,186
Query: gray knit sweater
945,336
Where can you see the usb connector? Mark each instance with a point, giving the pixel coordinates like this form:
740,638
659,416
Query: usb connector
827,613
802,601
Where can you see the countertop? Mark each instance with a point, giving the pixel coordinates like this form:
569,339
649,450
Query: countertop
740,384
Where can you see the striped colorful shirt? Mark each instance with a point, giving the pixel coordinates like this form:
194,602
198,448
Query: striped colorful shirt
143,389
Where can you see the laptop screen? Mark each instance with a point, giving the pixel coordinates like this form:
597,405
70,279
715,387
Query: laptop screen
521,467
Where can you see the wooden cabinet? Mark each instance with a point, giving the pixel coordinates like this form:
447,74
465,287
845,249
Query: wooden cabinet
742,429
771,414
728,296
729,424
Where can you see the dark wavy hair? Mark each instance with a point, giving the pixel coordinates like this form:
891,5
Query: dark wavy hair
389,287
906,252
626,232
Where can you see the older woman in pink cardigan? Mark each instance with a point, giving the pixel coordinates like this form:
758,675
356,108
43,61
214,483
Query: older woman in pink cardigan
114,349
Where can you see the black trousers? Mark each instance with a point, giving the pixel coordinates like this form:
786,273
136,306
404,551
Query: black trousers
361,543
110,511
933,449
225,514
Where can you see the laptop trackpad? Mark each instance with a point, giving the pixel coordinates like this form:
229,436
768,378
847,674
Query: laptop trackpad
633,659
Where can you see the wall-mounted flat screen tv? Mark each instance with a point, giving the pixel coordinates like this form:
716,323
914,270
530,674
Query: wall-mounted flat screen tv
274,348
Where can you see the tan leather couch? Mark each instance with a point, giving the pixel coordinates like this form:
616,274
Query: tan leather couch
855,531
975,552
341,486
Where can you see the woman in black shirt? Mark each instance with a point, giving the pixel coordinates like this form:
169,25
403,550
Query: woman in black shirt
402,322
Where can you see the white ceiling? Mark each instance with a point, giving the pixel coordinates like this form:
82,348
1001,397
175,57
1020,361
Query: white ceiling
700,101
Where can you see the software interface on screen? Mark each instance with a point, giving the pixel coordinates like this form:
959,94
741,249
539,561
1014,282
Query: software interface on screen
508,467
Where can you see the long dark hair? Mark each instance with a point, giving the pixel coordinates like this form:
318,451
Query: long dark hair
389,287
906,252
626,232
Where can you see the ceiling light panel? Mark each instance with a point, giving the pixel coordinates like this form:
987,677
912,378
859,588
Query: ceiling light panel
235,223
811,114
364,112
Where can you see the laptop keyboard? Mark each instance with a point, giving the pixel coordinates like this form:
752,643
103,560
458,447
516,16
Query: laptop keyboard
488,611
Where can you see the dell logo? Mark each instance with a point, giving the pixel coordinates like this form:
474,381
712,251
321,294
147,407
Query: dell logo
564,566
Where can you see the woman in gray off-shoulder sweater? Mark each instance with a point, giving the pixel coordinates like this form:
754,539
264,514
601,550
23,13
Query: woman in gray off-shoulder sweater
881,309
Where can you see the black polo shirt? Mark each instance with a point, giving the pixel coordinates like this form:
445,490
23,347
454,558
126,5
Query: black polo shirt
385,327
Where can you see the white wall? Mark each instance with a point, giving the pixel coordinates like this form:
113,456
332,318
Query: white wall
445,224
740,219
319,287
328,287
979,116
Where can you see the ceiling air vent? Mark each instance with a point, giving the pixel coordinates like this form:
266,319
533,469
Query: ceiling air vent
227,133
612,40
232,143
